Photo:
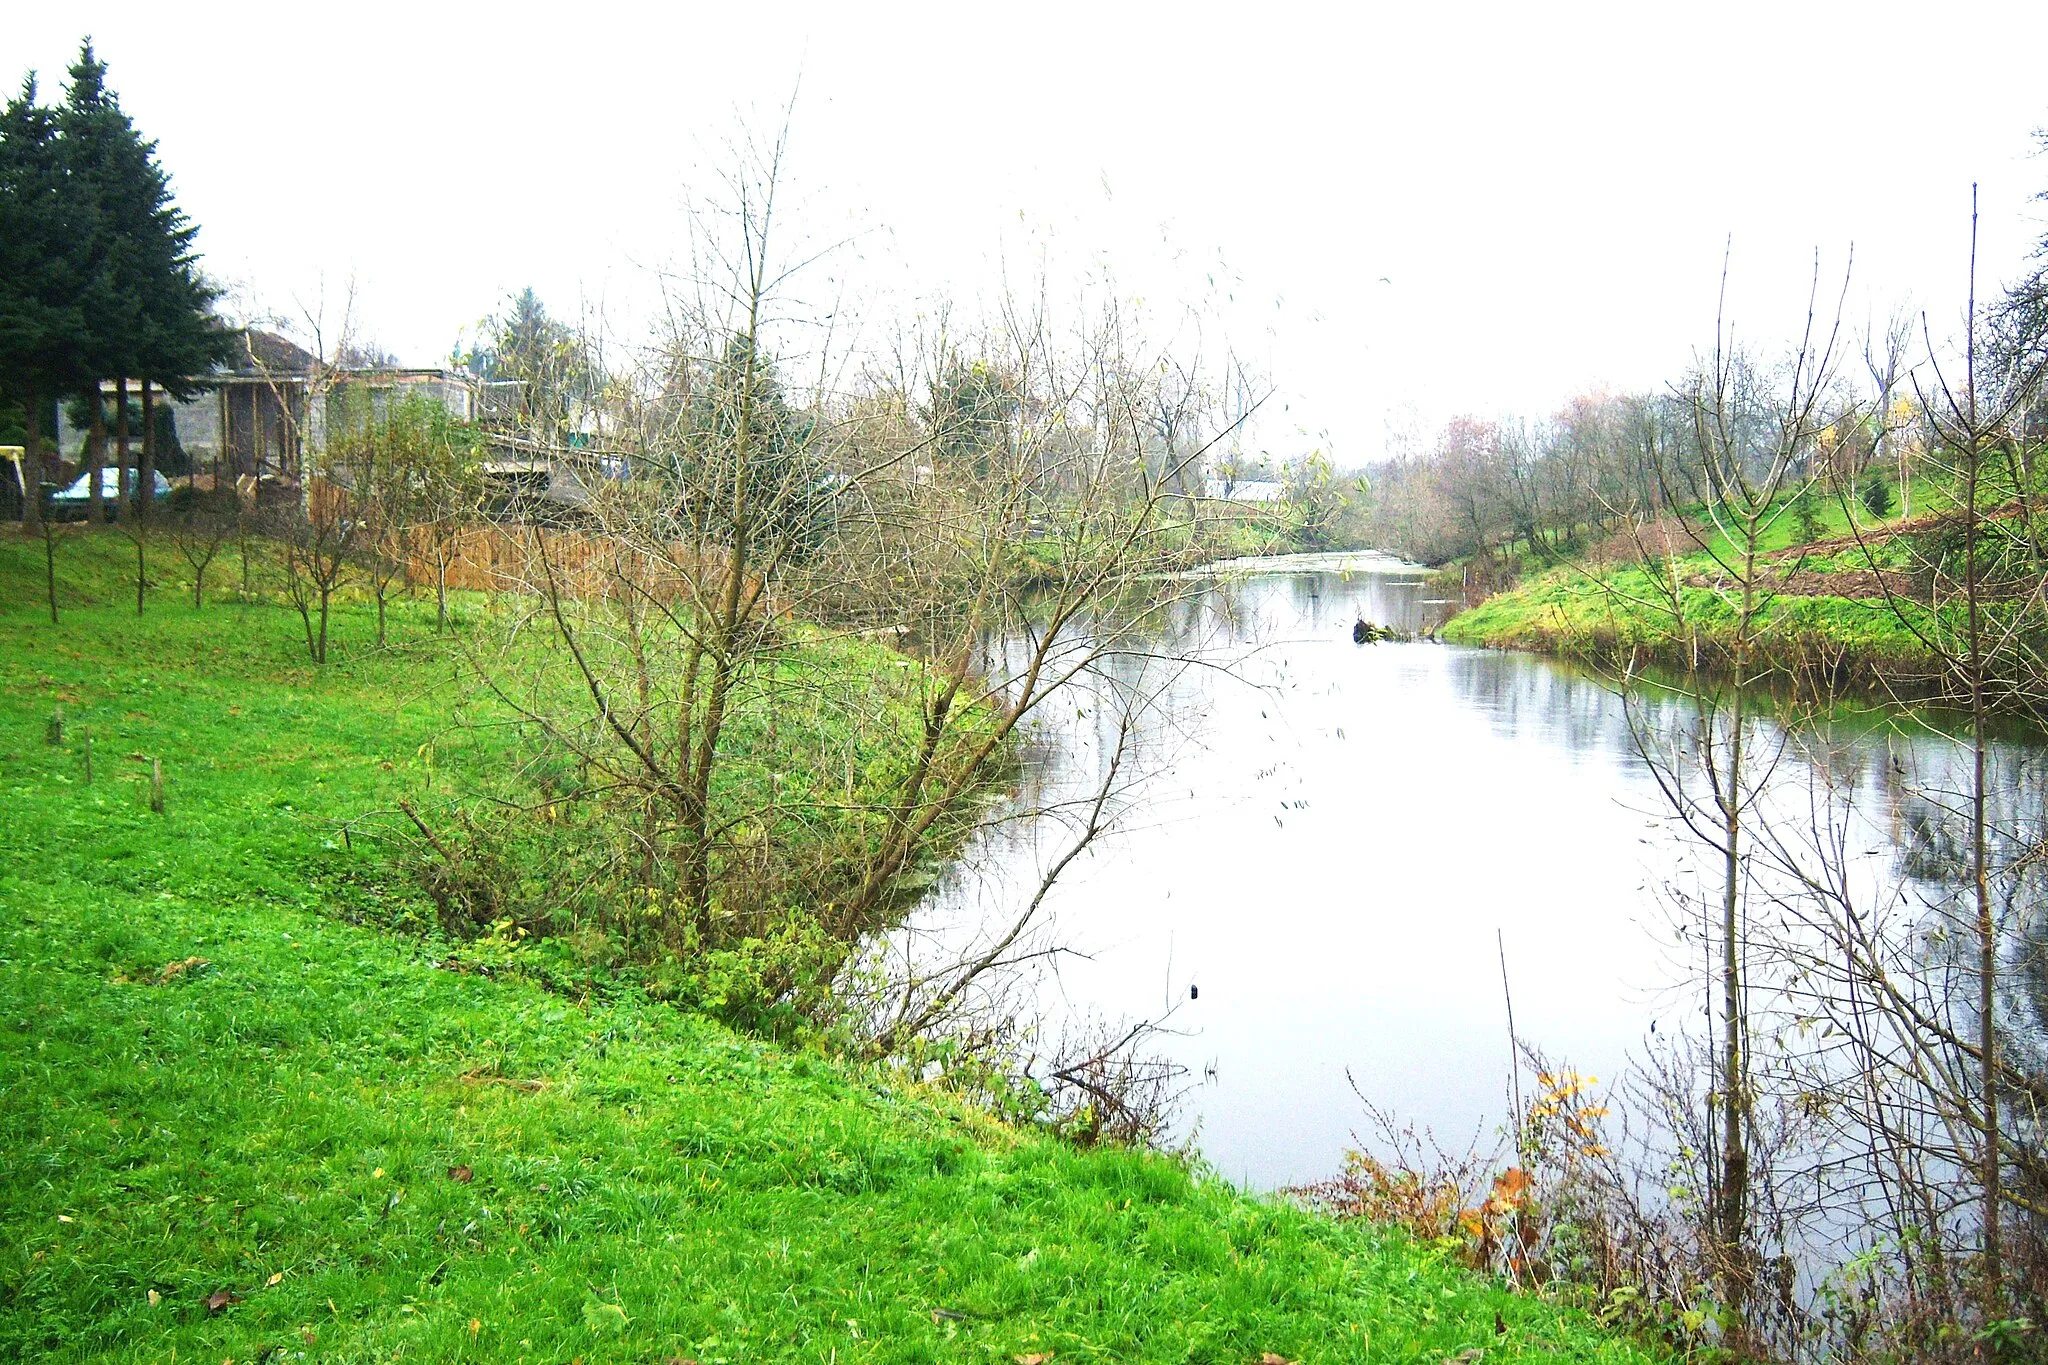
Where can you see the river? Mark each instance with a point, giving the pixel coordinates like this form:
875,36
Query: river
1327,849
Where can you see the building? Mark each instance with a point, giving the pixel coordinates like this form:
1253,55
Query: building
1244,490
260,417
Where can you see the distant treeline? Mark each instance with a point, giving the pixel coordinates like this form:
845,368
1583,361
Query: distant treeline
1513,487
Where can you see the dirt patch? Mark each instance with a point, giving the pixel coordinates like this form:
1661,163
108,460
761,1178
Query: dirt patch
1659,539
1856,584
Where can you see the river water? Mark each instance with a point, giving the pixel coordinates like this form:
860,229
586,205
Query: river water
1324,851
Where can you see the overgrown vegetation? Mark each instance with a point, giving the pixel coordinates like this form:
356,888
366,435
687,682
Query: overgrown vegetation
1855,1144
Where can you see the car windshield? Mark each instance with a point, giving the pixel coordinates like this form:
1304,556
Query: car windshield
110,482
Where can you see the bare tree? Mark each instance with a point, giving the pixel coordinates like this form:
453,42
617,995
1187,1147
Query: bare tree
984,530
200,524
1986,600
1754,440
449,504
319,553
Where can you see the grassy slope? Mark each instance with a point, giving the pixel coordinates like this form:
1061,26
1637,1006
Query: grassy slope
282,1123
1604,607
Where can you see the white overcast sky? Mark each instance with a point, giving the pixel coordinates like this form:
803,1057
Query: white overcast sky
1408,210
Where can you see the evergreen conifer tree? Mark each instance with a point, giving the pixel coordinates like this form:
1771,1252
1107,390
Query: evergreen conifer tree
43,333
148,308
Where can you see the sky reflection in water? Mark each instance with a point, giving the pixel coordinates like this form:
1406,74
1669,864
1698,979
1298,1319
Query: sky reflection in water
1326,840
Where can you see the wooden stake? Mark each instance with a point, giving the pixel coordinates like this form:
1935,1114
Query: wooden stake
156,785
53,733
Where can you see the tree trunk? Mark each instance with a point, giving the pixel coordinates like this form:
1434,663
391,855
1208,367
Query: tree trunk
1987,929
124,491
50,567
145,493
1734,1080
32,468
1993,1286
696,806
96,457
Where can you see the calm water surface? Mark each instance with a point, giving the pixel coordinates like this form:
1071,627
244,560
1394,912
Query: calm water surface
1325,846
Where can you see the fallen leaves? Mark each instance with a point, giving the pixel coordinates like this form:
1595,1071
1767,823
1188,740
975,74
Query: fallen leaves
173,970
155,1298
1033,1358
461,1175
219,1300
274,1280
1274,1358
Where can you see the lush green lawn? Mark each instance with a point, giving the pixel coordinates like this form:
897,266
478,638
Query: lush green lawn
322,1144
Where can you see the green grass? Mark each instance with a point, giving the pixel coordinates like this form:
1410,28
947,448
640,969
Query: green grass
1832,518
1562,606
1614,610
281,1124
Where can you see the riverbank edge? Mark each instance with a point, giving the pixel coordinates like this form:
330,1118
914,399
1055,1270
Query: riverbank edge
229,1069
1819,643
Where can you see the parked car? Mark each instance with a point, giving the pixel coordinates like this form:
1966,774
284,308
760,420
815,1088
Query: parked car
76,501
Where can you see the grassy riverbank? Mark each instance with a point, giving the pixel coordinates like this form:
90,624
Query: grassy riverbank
1611,614
256,1108
1826,614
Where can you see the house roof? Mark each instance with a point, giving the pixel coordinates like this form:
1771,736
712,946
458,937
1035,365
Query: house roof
271,352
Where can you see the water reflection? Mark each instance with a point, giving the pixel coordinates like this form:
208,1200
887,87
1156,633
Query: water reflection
1326,839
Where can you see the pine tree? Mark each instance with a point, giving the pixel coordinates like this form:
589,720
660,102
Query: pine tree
149,308
528,345
43,333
